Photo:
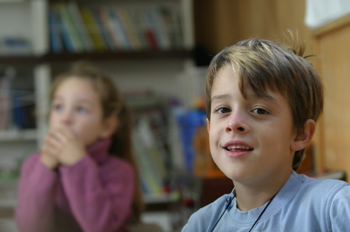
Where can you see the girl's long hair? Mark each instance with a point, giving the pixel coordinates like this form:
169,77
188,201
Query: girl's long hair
112,104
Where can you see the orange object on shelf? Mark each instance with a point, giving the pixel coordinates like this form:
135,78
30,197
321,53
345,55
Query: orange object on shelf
204,165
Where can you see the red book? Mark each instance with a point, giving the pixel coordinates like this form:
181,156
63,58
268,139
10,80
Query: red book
151,39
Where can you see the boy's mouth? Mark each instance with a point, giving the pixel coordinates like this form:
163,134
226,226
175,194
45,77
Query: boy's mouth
238,148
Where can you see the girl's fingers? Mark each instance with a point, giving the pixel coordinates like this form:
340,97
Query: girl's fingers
56,136
52,141
50,150
63,134
66,133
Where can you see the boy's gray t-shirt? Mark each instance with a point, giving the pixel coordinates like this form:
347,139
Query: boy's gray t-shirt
302,204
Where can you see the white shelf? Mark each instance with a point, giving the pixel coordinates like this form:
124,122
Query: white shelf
157,199
18,135
11,1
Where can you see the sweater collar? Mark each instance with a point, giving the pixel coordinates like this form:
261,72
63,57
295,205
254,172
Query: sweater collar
246,218
99,150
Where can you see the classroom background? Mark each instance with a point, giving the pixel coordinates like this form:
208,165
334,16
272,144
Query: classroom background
158,51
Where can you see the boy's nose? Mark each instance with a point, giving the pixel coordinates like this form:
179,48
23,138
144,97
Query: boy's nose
237,123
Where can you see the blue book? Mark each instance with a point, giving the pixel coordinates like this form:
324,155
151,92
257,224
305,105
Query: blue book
103,31
55,32
121,33
80,27
67,39
17,110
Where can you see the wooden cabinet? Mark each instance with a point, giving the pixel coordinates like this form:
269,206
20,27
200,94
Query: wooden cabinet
333,136
222,23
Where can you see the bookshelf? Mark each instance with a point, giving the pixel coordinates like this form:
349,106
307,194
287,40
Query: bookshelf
31,26
17,135
51,58
134,68
34,26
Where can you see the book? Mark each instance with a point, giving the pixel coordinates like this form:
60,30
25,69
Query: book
67,42
138,25
148,30
150,143
155,19
93,29
17,110
109,27
80,26
176,29
70,29
150,181
4,102
119,29
56,45
164,18
23,109
103,31
129,28
6,77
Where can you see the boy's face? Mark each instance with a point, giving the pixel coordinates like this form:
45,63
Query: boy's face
250,139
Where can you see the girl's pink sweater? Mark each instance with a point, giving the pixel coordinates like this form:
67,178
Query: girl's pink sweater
94,195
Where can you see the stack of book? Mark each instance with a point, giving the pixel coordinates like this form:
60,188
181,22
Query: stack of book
150,152
81,29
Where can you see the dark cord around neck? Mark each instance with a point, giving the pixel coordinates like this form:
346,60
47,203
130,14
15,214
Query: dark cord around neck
228,203
256,221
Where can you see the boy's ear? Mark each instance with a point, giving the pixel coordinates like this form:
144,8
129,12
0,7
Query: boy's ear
110,125
302,139
208,125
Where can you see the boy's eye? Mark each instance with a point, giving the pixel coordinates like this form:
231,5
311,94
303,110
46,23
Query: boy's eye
260,111
223,110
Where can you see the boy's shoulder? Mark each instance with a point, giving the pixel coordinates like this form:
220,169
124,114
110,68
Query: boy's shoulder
208,215
323,196
323,188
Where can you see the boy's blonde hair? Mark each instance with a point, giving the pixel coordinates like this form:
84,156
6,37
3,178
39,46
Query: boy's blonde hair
264,65
112,105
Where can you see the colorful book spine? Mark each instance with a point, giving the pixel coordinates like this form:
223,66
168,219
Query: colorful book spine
148,30
108,24
17,110
150,180
80,26
56,45
176,30
119,30
137,24
161,27
103,31
130,31
5,98
67,39
155,23
3,102
68,24
113,28
93,29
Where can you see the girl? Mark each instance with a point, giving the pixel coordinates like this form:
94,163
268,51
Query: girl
85,177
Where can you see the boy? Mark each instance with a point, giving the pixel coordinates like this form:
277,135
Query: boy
263,99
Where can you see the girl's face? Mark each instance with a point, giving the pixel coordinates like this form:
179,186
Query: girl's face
250,139
76,106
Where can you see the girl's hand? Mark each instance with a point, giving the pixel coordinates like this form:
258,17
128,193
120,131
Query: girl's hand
48,160
66,148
